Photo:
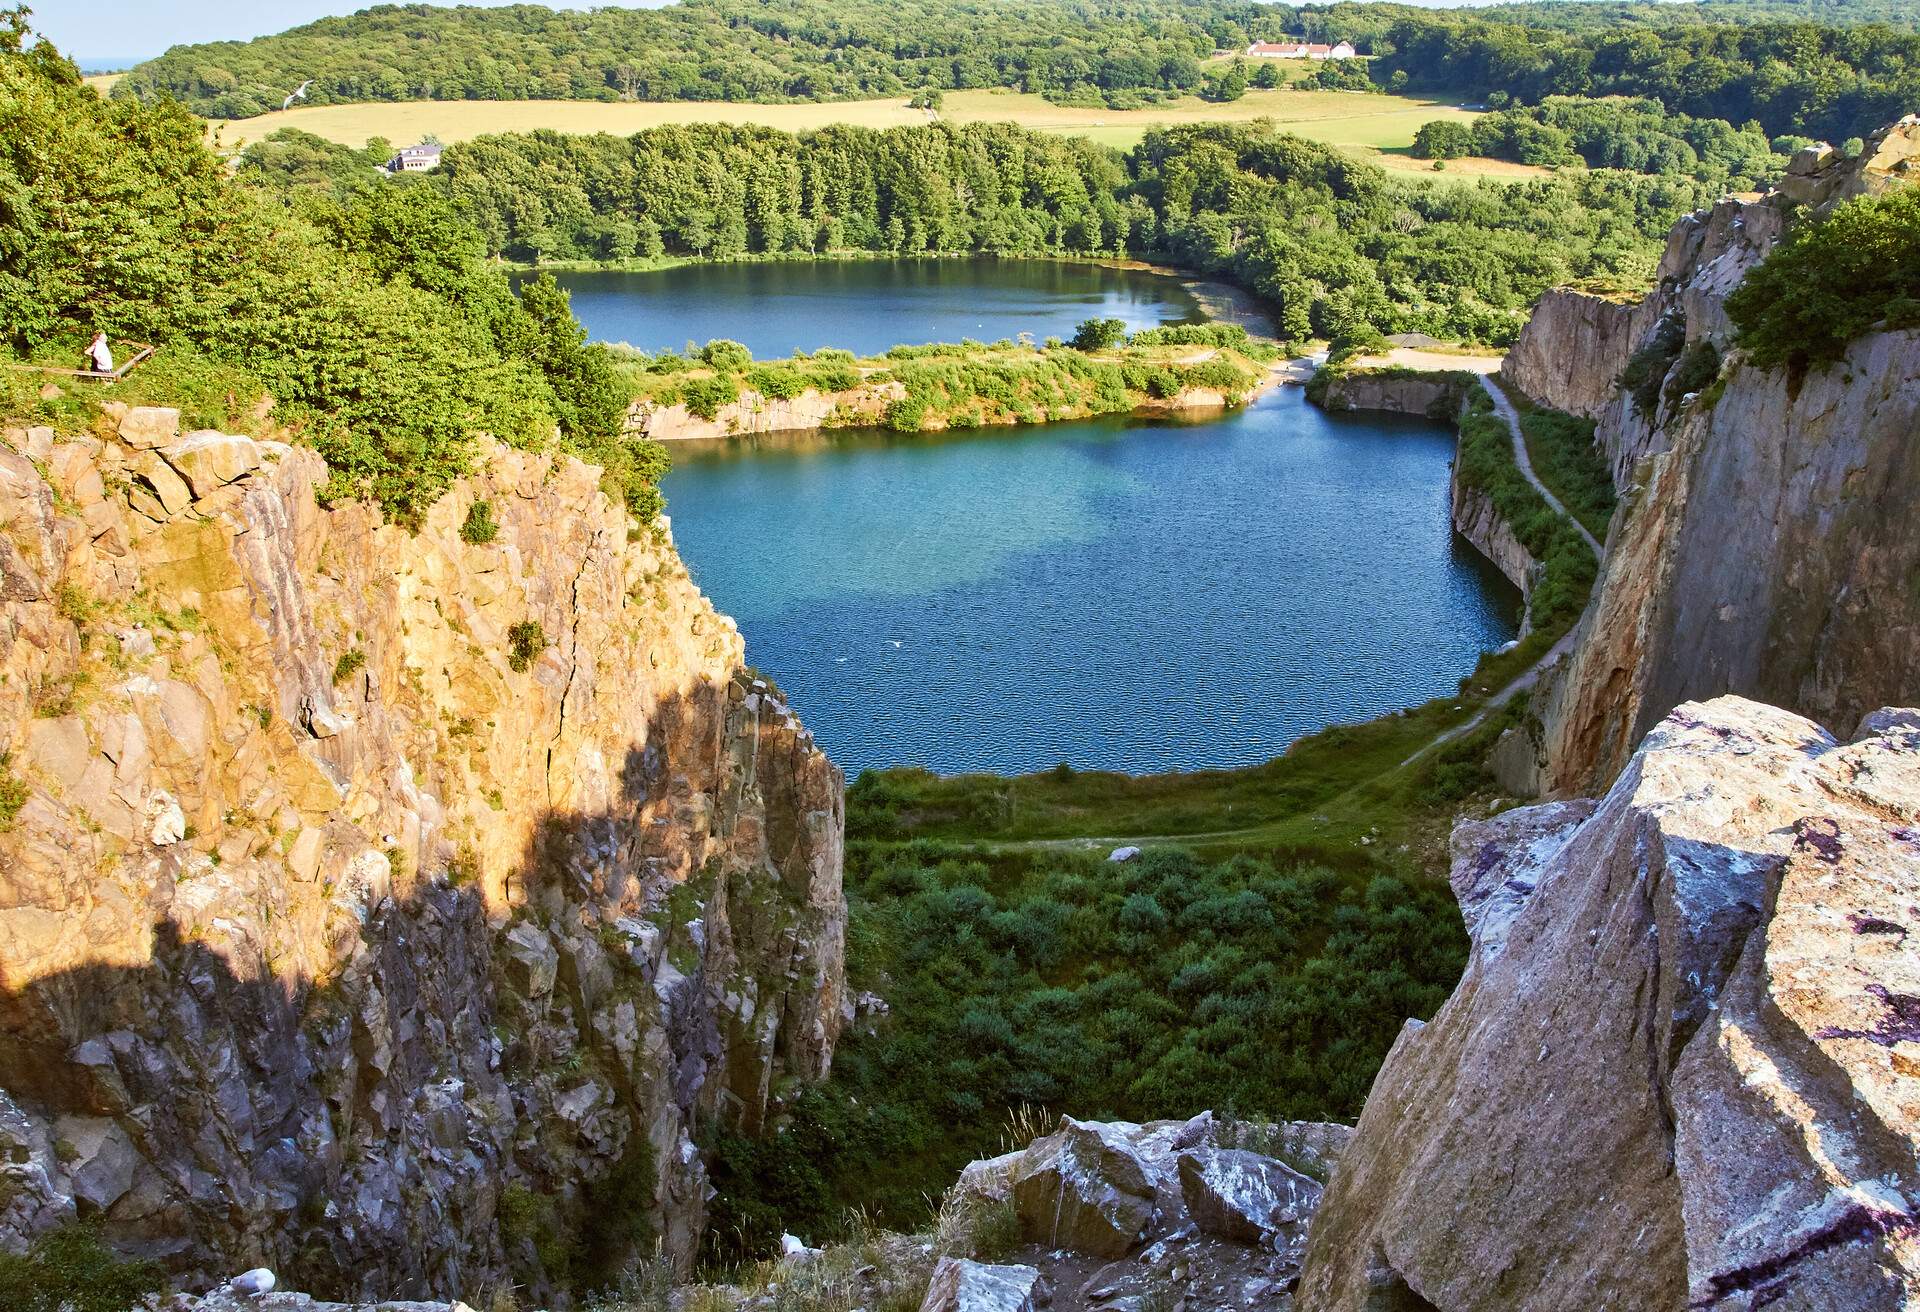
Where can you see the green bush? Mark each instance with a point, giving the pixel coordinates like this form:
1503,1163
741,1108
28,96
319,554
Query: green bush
1831,280
1698,368
350,663
1098,334
71,1270
525,641
705,396
479,527
1568,459
1647,368
13,792
776,382
726,355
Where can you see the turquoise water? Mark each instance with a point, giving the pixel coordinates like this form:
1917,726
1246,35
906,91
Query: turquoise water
1117,595
866,306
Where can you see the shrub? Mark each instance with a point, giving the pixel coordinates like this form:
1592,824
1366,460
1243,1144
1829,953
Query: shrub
525,641
479,528
705,396
13,793
776,382
725,355
1698,368
1647,368
1098,334
1831,280
351,662
71,1270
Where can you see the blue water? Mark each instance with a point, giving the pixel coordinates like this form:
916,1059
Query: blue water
1118,595
866,306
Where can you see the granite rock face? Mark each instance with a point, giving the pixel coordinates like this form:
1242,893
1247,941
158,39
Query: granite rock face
1764,545
333,942
1684,1071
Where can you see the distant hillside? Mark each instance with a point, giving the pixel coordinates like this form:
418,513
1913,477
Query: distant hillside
1832,68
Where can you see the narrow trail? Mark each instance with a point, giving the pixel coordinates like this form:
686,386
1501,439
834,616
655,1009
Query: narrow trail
1503,406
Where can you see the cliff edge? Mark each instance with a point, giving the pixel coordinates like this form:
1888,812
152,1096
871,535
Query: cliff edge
384,907
1678,1072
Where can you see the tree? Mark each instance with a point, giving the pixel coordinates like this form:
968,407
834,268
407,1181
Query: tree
1099,335
1267,75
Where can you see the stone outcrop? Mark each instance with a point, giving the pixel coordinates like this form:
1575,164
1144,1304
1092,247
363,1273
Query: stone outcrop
1118,1215
1476,519
1770,551
753,414
1682,1069
1765,545
381,907
960,1285
1396,391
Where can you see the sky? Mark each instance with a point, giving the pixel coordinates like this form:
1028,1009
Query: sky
95,30
114,31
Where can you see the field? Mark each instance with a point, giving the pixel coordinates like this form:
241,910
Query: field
1375,127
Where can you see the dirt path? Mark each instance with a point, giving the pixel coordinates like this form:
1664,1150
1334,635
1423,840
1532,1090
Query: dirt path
1504,408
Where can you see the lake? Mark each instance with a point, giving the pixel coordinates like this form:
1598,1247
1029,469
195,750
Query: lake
1111,594
866,306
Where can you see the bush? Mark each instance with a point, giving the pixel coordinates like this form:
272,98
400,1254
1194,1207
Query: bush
13,793
479,528
725,355
71,1270
525,641
705,396
1698,368
1647,368
1831,280
350,663
1098,334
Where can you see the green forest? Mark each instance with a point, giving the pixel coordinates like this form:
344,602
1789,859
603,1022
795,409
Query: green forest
1826,68
352,313
1335,246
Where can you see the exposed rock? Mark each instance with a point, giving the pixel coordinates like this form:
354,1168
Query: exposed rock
1498,863
228,1300
960,1285
1084,1187
1123,854
1477,520
314,963
1685,1074
1241,1195
1764,546
1397,391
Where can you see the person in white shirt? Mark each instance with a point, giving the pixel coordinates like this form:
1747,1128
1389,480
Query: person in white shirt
100,355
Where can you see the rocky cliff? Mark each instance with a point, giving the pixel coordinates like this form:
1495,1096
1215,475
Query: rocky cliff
1679,1071
389,908
1765,545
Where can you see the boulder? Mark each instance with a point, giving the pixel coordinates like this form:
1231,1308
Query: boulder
1690,1075
162,483
1246,1197
146,426
532,960
209,459
100,1159
1084,1188
960,1285
1123,854
989,1178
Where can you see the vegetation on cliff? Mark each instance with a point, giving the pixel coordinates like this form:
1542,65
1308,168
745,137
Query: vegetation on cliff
1568,568
966,384
1831,280
355,315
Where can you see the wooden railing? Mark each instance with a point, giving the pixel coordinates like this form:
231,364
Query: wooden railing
142,352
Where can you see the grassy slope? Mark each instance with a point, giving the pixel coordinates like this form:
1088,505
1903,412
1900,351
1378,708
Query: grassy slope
1377,127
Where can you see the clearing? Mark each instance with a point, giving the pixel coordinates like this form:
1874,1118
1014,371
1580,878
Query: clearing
1375,127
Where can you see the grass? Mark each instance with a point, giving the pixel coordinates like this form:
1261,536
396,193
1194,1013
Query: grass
1377,127
1569,461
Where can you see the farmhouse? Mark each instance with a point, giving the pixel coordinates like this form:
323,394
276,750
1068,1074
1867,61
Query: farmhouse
1300,50
415,159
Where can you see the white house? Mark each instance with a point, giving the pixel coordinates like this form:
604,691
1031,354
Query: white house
1300,50
415,159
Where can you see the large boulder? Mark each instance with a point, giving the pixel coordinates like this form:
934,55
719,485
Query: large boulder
1085,1188
1243,1196
959,1285
1686,1073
